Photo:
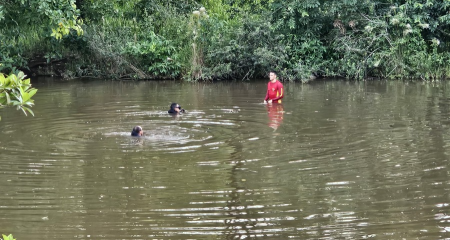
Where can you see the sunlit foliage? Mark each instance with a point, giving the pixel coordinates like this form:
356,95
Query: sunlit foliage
8,237
16,91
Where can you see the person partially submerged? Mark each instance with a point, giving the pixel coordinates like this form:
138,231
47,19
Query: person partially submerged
274,92
137,131
175,108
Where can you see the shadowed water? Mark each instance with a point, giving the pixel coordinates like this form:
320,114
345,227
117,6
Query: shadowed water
337,160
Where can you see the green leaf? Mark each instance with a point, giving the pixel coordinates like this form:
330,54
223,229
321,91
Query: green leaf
31,92
21,75
2,79
8,98
23,110
9,237
30,111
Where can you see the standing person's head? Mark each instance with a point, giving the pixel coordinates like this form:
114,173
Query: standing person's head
137,131
273,76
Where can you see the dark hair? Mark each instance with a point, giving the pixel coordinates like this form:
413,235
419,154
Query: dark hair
136,130
274,72
173,106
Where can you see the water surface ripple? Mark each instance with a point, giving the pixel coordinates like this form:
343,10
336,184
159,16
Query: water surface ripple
336,160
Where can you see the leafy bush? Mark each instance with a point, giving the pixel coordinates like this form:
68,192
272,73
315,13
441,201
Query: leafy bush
230,39
156,55
391,46
16,91
11,56
243,51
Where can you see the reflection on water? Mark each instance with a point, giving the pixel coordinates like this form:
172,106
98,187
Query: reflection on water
275,112
337,160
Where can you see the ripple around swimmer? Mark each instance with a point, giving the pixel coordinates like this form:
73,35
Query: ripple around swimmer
72,135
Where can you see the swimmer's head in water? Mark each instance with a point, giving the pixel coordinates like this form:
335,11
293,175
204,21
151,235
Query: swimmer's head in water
176,108
137,131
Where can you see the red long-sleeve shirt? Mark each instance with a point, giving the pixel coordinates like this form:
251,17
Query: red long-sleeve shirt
274,91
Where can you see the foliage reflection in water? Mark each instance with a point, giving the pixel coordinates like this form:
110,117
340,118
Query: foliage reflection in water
335,160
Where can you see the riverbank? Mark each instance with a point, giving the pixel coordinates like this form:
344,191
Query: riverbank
219,40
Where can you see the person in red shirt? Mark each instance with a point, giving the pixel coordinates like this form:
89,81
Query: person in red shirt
274,89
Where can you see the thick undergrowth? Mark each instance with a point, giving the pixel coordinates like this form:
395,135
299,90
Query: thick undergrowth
206,40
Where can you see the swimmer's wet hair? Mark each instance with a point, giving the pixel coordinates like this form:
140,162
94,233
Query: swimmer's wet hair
136,131
172,108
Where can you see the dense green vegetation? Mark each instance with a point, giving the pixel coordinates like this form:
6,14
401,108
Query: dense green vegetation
16,91
227,39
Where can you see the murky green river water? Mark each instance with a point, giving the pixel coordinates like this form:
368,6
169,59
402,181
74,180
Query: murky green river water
336,160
